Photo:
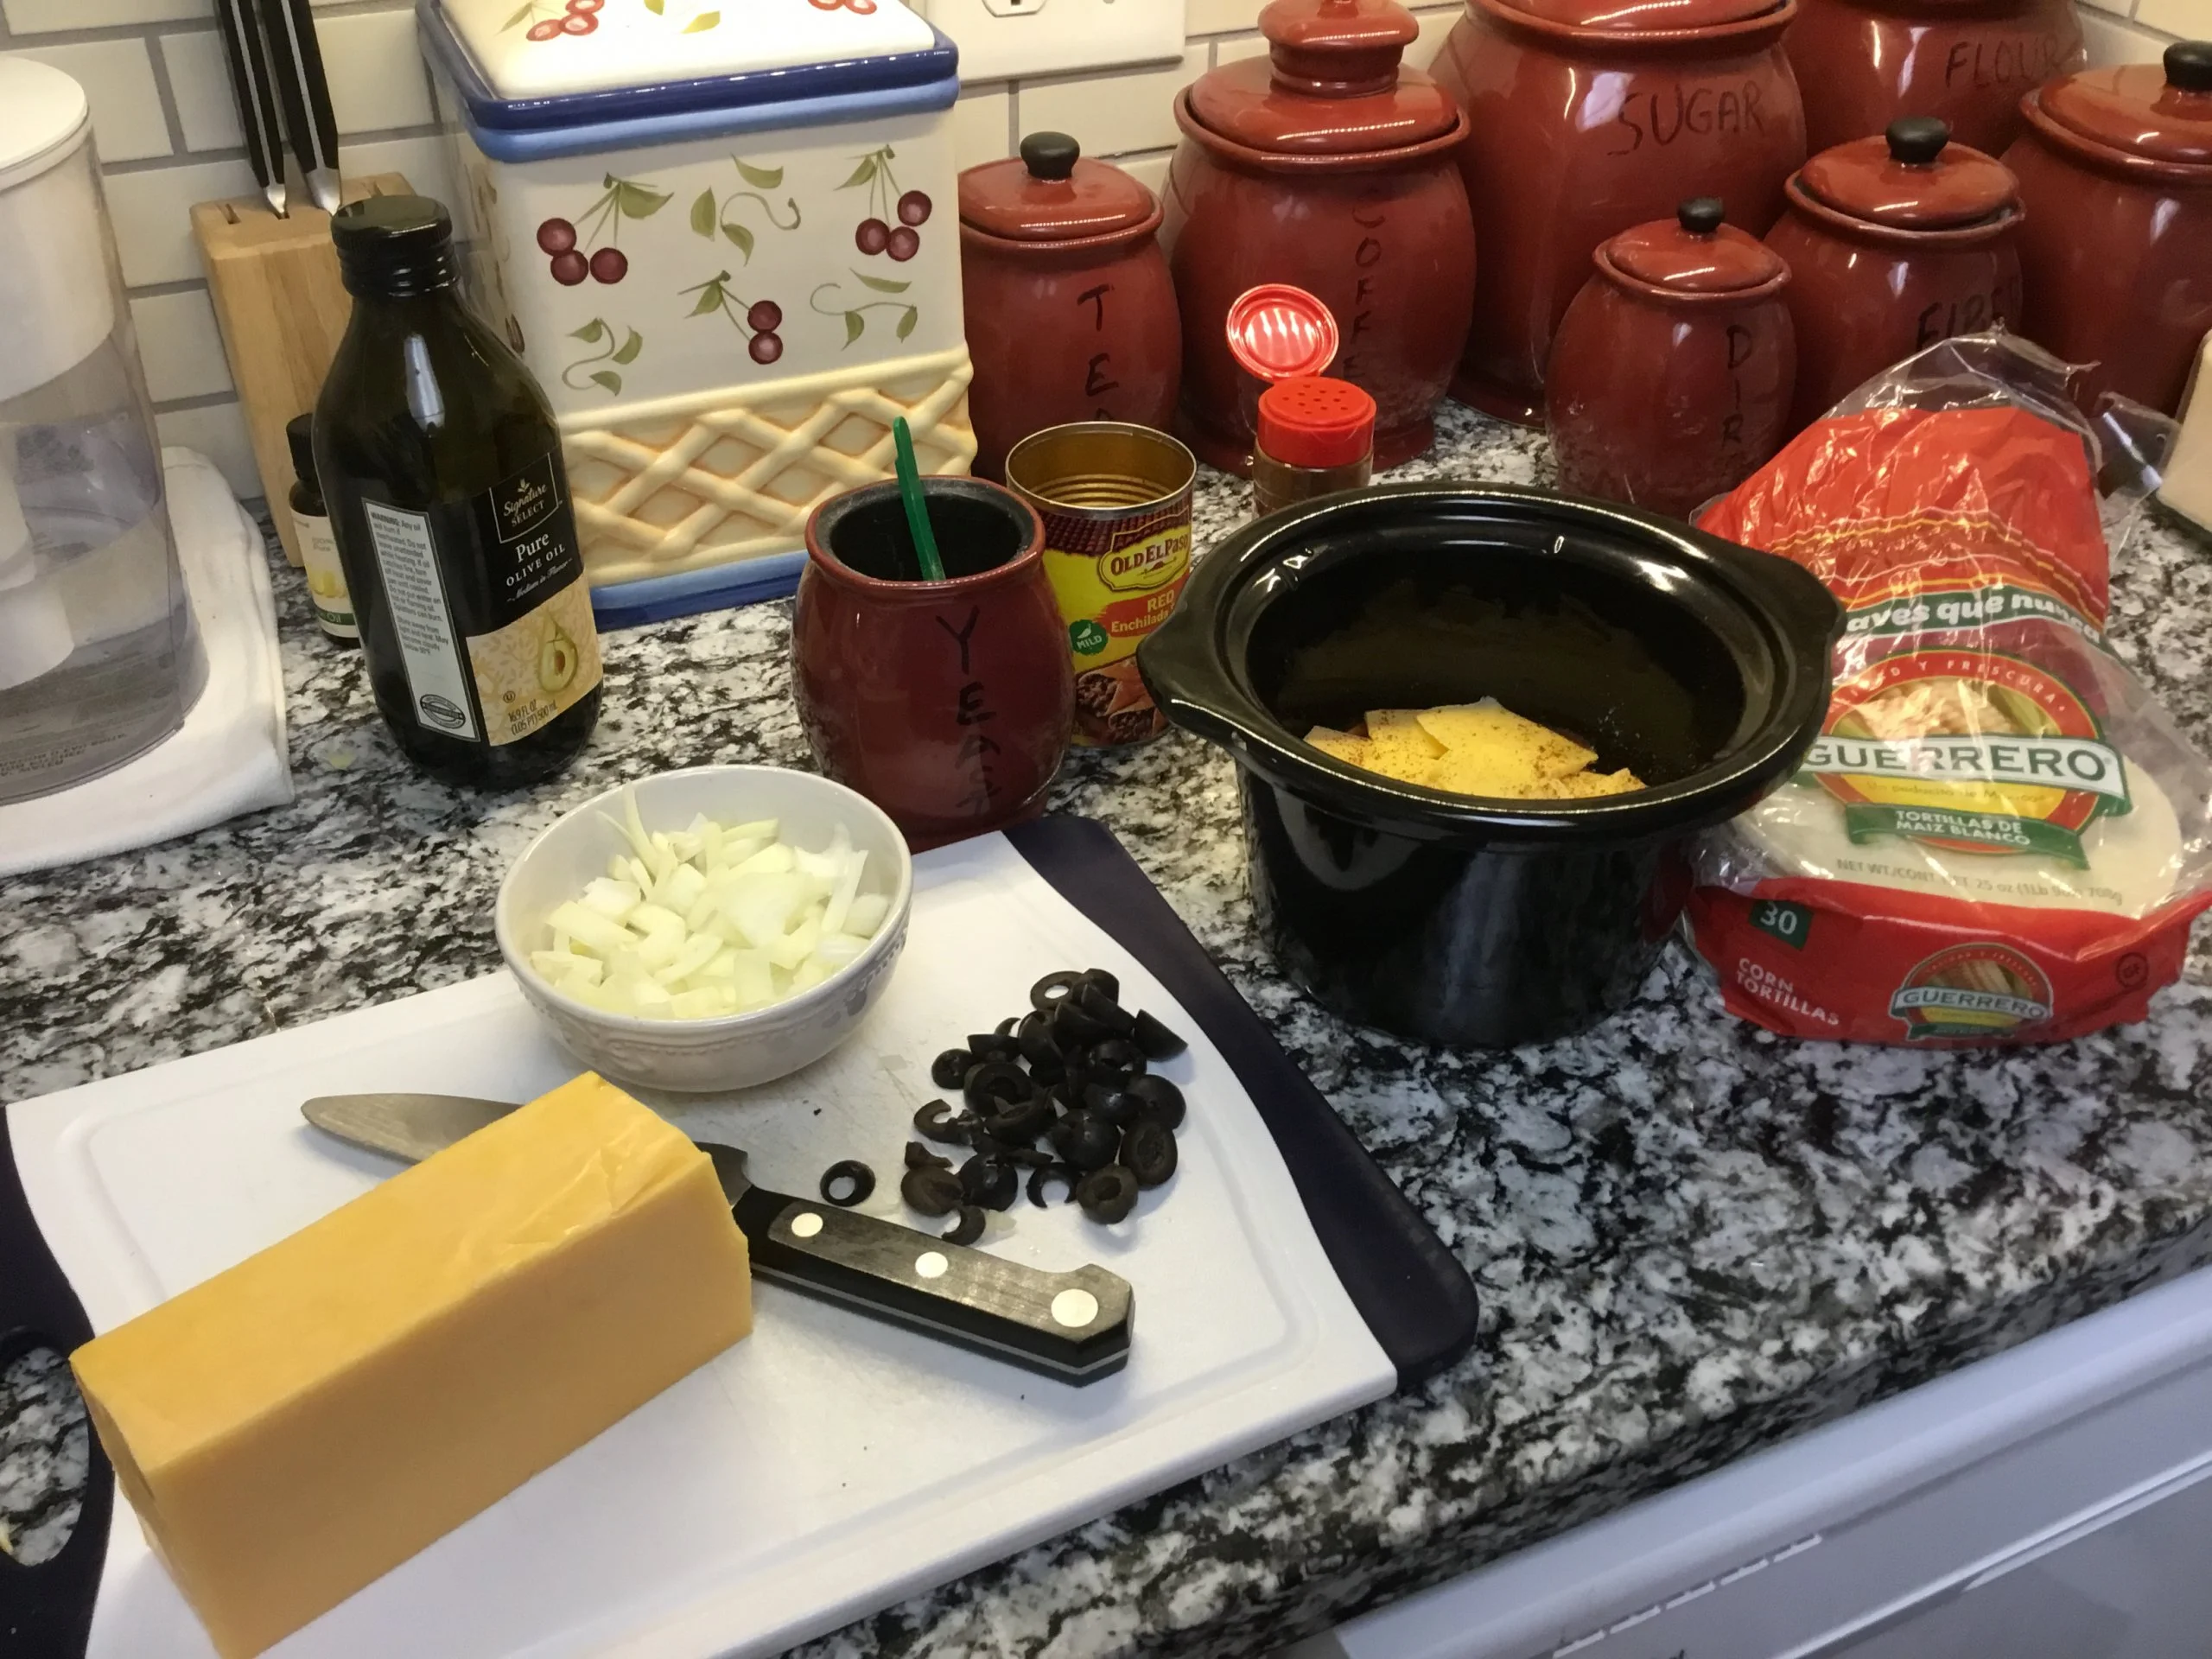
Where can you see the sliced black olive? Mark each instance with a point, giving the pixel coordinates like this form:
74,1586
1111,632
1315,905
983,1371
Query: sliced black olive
1085,1140
1157,1097
940,1120
1027,1157
1034,1035
920,1157
1114,1105
1019,1122
1053,989
934,1191
1006,1025
1073,1028
989,1046
1106,1194
968,1228
1106,1011
1049,1069
846,1182
1104,983
1148,1151
1049,1173
1124,1059
990,1182
994,1083
1156,1040
949,1067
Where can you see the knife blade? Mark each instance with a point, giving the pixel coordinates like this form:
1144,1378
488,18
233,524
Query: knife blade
1072,1325
257,97
304,90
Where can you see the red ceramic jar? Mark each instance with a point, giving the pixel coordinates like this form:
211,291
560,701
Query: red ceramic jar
1862,63
1328,166
1070,311
2116,173
1670,378
947,703
1588,116
1896,243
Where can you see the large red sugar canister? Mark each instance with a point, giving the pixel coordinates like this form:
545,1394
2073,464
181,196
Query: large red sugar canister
1896,242
2115,172
1070,313
1863,63
1671,375
1587,117
1327,164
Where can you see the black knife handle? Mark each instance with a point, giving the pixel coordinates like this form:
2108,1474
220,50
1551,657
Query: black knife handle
297,50
243,44
1073,1325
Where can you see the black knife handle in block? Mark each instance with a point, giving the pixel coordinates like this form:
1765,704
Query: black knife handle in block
1072,1325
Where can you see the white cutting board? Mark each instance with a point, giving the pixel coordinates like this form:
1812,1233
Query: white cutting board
828,1465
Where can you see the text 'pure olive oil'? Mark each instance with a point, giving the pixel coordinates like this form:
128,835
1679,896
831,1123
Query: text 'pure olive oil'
441,467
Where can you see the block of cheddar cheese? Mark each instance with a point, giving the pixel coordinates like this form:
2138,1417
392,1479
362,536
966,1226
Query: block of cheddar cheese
299,1425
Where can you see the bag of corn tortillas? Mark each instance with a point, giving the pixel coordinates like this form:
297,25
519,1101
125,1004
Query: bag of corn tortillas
1998,836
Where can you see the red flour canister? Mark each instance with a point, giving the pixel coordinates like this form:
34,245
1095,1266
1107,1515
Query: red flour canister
1070,310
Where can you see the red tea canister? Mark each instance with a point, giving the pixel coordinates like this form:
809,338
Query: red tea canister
1070,313
1670,378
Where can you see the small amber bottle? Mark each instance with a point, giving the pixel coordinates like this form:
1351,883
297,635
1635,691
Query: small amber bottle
333,609
1316,436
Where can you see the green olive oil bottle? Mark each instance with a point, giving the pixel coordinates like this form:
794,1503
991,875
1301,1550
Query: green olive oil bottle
440,461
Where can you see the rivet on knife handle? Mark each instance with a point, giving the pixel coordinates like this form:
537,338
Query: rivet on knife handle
1072,1325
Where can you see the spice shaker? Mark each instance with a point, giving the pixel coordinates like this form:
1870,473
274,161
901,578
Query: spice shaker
1316,436
333,607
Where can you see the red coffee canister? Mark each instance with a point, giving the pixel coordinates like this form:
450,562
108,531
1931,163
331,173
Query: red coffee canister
947,703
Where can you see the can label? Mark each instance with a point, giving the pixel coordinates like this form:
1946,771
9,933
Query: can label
333,609
1116,579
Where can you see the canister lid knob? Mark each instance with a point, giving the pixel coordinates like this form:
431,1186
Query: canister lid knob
1050,155
2189,65
1700,215
1917,140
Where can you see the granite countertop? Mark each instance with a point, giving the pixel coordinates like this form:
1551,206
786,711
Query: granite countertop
1692,1238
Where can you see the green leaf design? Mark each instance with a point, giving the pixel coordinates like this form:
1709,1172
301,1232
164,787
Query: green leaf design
591,334
861,173
633,346
710,299
638,200
702,215
742,236
705,20
906,323
519,17
653,6
882,284
854,323
760,178
609,378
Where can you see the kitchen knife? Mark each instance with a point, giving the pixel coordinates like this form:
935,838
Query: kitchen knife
256,95
305,92
1074,1326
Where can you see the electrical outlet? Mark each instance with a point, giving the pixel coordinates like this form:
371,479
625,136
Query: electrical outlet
1003,38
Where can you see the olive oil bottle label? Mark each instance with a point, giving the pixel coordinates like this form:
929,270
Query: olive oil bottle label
326,577
529,650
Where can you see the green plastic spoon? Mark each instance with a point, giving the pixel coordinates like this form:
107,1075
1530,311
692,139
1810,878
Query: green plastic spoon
910,494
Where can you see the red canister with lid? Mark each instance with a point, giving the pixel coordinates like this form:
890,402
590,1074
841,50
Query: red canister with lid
1316,436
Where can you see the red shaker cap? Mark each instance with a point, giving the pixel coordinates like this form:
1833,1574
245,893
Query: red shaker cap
2160,112
1051,193
1693,252
1313,422
1911,177
1277,331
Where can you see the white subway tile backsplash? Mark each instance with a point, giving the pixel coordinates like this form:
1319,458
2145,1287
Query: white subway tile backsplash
981,123
217,432
1109,114
152,211
40,16
2111,41
1241,45
1434,26
179,345
118,79
1220,16
375,68
1149,170
200,80
426,162
2186,20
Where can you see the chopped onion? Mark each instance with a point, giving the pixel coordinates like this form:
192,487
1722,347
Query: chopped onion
710,920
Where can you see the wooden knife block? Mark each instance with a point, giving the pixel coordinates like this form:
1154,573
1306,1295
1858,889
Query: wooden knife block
282,310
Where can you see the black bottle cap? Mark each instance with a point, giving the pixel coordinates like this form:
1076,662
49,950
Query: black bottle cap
1050,155
392,247
1917,140
299,433
1700,215
2189,65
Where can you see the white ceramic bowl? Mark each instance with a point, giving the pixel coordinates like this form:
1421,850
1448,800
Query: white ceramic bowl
732,1051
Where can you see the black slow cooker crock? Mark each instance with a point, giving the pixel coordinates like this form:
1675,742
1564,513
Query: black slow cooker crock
1701,666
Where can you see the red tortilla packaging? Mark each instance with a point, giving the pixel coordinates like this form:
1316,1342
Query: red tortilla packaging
2000,836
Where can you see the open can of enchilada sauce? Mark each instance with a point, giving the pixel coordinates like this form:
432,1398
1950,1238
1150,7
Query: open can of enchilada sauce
1115,500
